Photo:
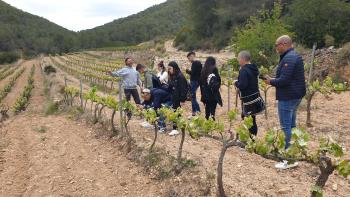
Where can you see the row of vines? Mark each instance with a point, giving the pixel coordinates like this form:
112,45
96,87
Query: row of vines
329,155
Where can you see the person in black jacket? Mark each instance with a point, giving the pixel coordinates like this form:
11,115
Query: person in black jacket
210,87
195,74
247,82
178,88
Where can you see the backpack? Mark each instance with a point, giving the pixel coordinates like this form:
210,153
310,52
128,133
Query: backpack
156,82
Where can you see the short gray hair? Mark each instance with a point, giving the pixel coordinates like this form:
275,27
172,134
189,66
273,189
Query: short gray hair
245,55
285,39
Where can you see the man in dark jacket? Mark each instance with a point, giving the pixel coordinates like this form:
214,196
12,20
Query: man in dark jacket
155,98
289,83
247,82
195,74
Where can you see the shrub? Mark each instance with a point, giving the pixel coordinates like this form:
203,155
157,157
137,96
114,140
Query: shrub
343,57
49,69
329,40
259,35
8,57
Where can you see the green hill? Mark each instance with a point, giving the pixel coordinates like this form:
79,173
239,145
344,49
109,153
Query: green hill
32,34
158,21
195,23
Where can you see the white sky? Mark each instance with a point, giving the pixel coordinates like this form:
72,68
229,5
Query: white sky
82,14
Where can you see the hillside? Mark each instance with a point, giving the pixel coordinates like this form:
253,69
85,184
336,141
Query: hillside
160,20
32,34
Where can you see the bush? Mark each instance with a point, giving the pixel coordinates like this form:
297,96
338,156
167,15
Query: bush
343,57
329,40
49,69
8,57
259,35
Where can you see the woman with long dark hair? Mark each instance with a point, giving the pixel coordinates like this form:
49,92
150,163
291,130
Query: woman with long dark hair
210,87
178,88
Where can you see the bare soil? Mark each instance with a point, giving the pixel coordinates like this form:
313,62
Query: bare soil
57,156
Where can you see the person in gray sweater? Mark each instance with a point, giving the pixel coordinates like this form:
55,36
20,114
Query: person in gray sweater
131,79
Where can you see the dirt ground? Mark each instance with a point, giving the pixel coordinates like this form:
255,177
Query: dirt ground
56,156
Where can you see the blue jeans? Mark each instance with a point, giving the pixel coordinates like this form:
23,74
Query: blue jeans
287,112
161,121
195,105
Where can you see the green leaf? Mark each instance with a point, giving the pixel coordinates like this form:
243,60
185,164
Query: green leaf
232,115
336,150
343,168
318,190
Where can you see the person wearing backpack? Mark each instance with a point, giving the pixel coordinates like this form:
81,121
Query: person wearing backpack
148,75
178,88
210,82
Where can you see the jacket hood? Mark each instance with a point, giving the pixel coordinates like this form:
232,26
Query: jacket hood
253,68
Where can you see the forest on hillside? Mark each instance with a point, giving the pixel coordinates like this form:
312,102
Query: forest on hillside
212,23
195,24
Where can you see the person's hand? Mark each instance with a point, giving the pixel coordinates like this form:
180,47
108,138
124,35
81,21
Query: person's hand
140,107
267,80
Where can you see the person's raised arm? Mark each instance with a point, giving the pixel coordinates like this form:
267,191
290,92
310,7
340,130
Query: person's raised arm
119,73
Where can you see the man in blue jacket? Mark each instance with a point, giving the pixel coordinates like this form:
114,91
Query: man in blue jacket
156,98
289,83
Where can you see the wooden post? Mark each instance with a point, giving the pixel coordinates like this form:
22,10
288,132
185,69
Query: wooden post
228,89
65,81
312,62
81,94
120,105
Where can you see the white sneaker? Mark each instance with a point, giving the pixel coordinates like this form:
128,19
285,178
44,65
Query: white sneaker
284,165
174,132
162,130
190,117
146,125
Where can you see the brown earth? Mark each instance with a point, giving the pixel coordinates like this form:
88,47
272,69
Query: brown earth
56,156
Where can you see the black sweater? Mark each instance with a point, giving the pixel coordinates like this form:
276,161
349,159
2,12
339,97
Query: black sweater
195,71
177,88
248,82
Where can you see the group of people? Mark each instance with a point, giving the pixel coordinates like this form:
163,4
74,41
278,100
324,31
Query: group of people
170,87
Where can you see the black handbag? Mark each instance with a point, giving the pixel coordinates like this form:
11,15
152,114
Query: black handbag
252,104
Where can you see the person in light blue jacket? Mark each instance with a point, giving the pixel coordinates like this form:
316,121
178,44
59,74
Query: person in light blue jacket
131,79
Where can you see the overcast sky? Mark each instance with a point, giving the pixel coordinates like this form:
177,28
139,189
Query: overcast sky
82,14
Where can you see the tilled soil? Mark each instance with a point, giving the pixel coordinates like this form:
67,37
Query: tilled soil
55,156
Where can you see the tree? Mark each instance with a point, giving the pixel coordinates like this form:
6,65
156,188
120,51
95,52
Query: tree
313,20
259,35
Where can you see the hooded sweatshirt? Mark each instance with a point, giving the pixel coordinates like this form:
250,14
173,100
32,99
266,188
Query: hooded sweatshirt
248,82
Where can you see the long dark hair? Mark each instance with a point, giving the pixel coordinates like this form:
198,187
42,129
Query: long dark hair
209,67
176,68
162,66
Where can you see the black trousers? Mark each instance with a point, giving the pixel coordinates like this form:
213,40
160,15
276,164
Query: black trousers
175,106
210,108
254,129
134,93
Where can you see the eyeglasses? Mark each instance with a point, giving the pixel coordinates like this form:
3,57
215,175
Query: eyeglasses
277,44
